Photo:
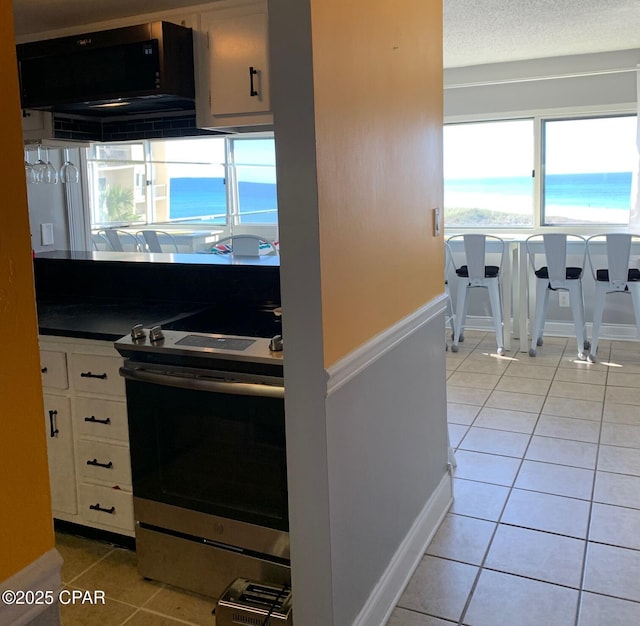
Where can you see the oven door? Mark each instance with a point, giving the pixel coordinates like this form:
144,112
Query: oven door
216,447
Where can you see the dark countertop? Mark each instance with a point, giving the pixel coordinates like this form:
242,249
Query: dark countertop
225,260
100,295
108,320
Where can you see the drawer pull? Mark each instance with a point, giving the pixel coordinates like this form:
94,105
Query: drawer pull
95,420
97,507
52,424
90,375
97,463
44,370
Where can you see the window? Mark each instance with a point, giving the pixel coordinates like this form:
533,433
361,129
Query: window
212,180
588,170
487,173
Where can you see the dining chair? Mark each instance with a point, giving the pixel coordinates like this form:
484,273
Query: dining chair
121,240
477,271
245,245
617,277
157,241
554,273
99,242
449,267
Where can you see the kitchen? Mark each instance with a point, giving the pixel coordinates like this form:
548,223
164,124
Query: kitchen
354,454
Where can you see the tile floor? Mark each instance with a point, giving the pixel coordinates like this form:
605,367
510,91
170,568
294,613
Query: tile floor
130,599
545,527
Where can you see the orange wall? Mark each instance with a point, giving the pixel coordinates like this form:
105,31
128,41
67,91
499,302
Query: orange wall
379,259
25,509
378,102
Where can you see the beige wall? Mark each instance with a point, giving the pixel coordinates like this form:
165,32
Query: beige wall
25,512
379,163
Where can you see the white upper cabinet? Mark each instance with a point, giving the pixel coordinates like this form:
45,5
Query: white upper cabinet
233,63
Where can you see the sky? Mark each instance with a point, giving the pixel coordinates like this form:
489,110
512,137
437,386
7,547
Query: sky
505,149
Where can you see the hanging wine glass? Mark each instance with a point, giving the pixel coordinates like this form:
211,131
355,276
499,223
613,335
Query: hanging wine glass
28,169
68,171
40,167
50,175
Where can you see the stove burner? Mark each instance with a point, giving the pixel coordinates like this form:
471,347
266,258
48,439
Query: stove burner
220,343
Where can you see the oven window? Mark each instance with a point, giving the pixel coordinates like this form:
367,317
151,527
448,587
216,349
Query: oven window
216,453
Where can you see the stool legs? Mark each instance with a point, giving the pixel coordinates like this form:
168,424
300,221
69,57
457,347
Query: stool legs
542,301
496,311
598,310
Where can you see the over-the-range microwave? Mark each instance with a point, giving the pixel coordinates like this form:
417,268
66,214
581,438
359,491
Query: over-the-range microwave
148,67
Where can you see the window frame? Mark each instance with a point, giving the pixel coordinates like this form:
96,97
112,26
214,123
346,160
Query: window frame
538,116
230,166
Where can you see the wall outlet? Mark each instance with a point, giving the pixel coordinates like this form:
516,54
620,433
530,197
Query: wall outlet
46,234
563,299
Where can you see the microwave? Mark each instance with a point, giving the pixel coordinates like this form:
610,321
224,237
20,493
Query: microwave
148,67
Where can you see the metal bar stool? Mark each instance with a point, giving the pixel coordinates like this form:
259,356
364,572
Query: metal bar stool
618,277
477,272
555,275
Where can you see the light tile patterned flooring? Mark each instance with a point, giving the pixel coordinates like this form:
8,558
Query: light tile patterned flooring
545,527
130,599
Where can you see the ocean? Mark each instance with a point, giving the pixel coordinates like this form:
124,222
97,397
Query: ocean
205,199
606,190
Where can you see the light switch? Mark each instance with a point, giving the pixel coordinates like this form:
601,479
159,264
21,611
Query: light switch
436,222
46,234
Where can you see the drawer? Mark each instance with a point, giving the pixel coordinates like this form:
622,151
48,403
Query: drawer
96,374
106,506
101,418
53,366
105,462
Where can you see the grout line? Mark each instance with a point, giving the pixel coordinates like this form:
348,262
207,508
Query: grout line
83,572
593,490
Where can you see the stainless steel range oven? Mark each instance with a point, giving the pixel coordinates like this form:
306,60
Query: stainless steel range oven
207,442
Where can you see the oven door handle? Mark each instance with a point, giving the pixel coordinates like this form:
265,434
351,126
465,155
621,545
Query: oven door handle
203,384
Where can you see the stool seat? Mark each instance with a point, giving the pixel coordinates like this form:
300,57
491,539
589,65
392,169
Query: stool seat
490,271
571,273
632,275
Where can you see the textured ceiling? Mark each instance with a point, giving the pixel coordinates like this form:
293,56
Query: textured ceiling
492,31
475,31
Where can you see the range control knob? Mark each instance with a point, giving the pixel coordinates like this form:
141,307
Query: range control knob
137,332
156,334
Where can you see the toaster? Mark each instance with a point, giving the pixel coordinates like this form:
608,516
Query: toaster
248,603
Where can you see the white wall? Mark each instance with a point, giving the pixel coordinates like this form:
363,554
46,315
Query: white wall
575,83
386,428
47,206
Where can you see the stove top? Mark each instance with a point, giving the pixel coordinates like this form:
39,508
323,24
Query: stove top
168,343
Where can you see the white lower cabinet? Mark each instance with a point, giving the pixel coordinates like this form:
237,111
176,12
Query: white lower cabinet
62,473
88,437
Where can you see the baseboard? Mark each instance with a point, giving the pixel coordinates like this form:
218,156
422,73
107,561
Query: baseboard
389,588
615,332
40,576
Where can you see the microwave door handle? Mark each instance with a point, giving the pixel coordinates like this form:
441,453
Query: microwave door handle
203,384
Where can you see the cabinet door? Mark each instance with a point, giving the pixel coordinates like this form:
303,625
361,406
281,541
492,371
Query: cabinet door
53,366
238,62
62,475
